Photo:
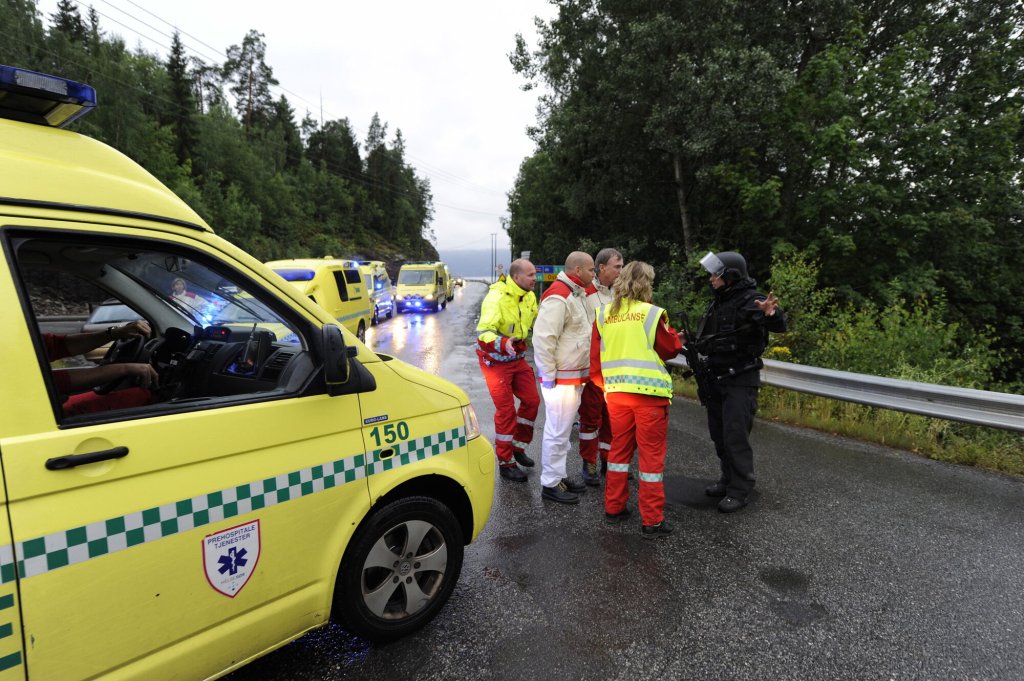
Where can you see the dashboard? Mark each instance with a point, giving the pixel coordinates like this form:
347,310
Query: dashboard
221,360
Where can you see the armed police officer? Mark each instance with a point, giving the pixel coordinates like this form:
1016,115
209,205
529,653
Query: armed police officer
731,335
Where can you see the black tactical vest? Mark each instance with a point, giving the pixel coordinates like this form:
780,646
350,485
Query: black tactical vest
728,339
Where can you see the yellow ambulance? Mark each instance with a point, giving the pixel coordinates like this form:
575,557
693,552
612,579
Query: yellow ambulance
278,475
379,289
449,286
422,285
335,285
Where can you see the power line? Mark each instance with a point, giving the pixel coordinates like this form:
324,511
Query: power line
208,46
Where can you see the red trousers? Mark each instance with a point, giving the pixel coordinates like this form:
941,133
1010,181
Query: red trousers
90,403
641,423
595,429
506,381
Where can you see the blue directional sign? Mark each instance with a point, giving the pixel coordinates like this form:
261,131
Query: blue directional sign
548,273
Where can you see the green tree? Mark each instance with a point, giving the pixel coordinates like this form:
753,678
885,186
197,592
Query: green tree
181,114
282,136
68,21
208,84
334,149
885,145
21,34
251,79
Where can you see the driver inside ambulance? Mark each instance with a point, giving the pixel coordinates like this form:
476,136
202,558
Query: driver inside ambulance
73,384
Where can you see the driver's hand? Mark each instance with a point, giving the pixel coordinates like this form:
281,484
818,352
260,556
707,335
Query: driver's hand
140,327
145,374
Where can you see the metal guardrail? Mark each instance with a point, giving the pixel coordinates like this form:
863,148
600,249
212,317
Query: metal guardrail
980,407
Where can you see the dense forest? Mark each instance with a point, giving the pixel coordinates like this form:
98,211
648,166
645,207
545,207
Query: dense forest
865,155
217,136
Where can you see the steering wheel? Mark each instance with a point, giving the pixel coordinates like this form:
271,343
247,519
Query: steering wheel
168,356
122,351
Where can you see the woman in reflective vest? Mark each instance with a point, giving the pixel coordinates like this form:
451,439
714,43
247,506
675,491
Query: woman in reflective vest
629,346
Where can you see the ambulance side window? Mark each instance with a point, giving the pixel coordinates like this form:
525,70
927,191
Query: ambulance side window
195,332
339,281
352,277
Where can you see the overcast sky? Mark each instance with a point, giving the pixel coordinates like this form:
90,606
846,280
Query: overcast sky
438,71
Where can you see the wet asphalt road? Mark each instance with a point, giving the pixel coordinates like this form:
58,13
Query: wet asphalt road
854,561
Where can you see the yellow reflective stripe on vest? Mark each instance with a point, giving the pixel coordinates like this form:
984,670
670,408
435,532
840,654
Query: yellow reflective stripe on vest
628,360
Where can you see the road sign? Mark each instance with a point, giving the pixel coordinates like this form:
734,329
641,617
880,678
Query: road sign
548,273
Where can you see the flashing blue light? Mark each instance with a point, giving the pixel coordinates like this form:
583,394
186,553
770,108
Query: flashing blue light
296,275
33,97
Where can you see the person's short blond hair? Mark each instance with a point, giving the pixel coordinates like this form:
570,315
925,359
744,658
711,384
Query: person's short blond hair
636,282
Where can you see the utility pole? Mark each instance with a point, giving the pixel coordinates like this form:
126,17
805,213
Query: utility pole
494,256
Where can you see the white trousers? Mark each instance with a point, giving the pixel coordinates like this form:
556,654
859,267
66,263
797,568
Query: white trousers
561,404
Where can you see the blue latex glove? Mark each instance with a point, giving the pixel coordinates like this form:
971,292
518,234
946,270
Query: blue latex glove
547,384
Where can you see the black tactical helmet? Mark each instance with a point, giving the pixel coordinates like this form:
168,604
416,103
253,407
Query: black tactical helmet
729,265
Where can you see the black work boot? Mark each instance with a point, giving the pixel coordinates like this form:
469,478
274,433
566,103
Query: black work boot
730,504
511,472
590,474
522,459
654,531
560,494
574,486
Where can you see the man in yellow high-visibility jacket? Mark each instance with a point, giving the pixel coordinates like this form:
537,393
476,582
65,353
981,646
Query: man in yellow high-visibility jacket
506,317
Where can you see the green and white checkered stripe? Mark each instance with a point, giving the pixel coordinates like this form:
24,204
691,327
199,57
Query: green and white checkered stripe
7,639
638,380
412,451
77,545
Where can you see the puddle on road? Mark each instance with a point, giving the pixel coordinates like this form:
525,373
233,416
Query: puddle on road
794,606
785,579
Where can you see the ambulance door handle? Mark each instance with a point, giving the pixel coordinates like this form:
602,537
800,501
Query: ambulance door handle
71,460
386,454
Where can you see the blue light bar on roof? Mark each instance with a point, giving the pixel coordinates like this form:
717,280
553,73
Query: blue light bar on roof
296,275
42,99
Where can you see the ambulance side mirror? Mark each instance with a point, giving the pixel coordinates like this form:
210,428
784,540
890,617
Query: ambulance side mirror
336,356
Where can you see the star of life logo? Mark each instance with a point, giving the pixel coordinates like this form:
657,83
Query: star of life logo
230,557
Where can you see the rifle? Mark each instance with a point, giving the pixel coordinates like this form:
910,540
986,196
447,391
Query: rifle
696,366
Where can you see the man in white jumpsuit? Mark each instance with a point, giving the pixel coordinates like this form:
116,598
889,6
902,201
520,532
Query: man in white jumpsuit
561,351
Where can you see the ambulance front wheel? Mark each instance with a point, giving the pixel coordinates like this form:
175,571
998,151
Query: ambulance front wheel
399,569
361,331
